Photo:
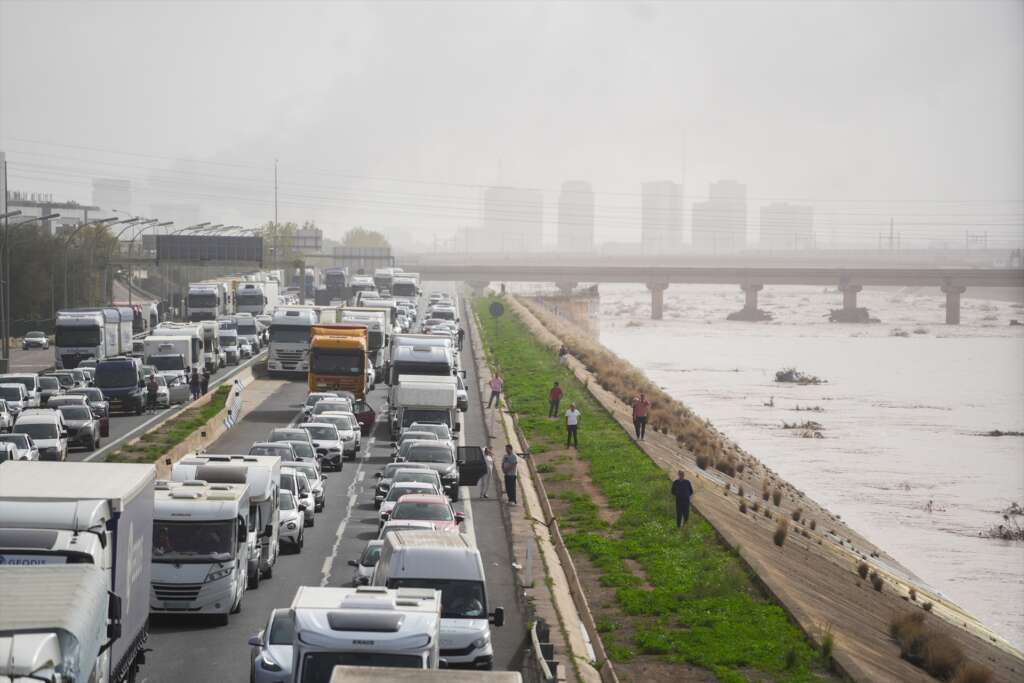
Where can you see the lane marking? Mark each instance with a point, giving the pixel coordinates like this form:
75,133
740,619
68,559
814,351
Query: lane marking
353,494
468,528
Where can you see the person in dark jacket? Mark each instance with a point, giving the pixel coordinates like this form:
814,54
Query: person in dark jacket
194,384
682,489
204,381
508,469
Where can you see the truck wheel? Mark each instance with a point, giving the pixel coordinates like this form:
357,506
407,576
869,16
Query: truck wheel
254,580
268,573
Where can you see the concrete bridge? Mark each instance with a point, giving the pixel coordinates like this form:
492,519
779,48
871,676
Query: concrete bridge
952,282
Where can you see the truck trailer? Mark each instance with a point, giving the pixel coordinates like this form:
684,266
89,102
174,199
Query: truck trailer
338,358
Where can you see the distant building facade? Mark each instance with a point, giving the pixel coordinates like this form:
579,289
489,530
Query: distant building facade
308,240
576,217
787,226
513,220
112,193
35,205
720,223
661,217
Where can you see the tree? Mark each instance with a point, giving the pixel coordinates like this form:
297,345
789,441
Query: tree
278,243
361,237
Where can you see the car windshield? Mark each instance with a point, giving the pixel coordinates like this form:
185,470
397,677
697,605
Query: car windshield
425,416
76,413
429,453
288,482
433,512
168,362
418,436
397,492
19,440
303,450
371,554
309,469
10,393
324,432
65,380
288,435
35,335
341,422
283,452
282,629
287,501
112,375
333,406
78,336
459,599
27,381
49,384
38,430
193,541
392,468
424,476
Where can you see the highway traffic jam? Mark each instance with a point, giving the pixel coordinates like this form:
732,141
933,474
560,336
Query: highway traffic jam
107,573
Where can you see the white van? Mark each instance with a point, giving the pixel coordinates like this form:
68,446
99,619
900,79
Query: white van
47,431
451,564
30,381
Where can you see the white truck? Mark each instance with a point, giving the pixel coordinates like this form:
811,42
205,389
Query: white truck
170,354
194,332
262,473
207,301
200,548
377,329
290,340
367,625
257,297
451,564
83,333
93,514
423,401
58,623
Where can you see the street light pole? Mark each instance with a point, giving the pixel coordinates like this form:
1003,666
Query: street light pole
67,245
151,223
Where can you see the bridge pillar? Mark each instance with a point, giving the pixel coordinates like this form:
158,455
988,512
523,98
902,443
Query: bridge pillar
657,299
750,312
850,296
750,300
850,312
566,287
478,287
953,293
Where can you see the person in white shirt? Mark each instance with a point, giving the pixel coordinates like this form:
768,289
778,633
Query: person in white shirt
485,481
572,423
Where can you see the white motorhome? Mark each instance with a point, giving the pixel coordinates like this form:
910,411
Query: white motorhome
213,358
451,564
200,548
84,514
290,340
194,331
170,354
262,473
367,625
461,393
423,401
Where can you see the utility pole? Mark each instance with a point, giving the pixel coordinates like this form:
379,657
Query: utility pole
275,192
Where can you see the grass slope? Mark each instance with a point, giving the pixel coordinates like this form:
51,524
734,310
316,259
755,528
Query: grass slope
703,609
154,444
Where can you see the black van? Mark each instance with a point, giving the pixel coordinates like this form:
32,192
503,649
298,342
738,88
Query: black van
123,386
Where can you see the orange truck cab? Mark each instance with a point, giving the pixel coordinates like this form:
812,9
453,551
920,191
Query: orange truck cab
337,358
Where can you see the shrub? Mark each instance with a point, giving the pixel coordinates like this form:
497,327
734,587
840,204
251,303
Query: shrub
863,570
767,512
913,595
941,655
726,488
797,514
740,492
726,466
780,532
776,497
755,506
765,494
743,507
703,461
927,607
828,643
876,581
814,524
972,672
902,622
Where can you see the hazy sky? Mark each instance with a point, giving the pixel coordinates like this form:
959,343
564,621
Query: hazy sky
396,114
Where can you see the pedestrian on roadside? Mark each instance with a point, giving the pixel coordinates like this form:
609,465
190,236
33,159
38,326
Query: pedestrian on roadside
572,425
462,335
641,408
682,489
485,481
563,355
194,383
204,381
508,468
496,384
554,398
152,389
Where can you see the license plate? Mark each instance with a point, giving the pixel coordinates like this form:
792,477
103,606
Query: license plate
176,604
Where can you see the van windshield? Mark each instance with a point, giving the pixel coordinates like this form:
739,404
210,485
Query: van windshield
111,375
193,541
168,362
38,430
459,599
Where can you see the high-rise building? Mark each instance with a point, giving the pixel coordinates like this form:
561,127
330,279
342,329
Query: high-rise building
576,217
787,226
112,193
514,219
661,217
720,223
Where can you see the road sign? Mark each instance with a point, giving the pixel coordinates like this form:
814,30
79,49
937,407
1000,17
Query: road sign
497,309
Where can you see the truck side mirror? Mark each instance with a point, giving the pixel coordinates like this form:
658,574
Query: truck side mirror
498,616
268,531
457,428
113,617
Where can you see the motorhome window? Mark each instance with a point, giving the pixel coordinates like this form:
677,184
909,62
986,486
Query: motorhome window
337,362
168,362
208,300
250,298
48,383
459,599
429,453
78,336
317,667
289,334
38,430
410,415
193,541
109,376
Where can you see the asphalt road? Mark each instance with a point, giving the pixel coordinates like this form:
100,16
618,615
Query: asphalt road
33,360
185,648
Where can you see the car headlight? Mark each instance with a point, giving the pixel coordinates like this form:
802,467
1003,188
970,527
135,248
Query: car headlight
218,574
268,664
481,641
291,526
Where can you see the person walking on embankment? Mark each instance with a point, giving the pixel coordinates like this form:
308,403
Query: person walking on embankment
554,398
641,408
485,481
572,425
682,489
496,385
508,469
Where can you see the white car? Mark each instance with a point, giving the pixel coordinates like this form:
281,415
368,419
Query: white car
15,396
327,442
48,433
291,524
366,562
296,482
26,448
272,649
315,478
348,429
6,419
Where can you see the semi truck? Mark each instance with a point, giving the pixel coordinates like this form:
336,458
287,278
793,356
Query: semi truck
367,625
257,298
80,514
200,548
207,300
290,340
82,333
376,327
336,283
338,358
263,476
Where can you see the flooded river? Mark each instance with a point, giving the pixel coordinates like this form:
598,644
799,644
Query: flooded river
902,458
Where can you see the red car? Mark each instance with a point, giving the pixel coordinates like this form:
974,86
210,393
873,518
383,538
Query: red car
427,507
365,414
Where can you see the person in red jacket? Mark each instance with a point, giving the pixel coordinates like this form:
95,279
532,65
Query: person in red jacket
554,397
641,407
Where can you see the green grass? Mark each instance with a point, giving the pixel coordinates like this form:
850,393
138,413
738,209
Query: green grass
153,445
703,609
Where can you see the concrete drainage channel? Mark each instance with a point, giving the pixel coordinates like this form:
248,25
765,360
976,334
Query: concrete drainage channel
157,420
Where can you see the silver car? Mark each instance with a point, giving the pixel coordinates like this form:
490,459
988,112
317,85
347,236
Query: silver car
272,649
290,530
316,481
23,443
6,419
367,561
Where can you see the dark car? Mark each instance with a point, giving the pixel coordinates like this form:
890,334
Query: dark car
121,381
48,388
35,340
82,426
365,414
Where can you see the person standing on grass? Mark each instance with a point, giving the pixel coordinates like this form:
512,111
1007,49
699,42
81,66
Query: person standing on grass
485,481
496,384
508,468
554,398
641,408
572,425
682,489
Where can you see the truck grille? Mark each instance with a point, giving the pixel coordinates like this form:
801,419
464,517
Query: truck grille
457,652
186,592
70,361
290,359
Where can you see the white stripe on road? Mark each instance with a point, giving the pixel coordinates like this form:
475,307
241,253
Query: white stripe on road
467,505
353,495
